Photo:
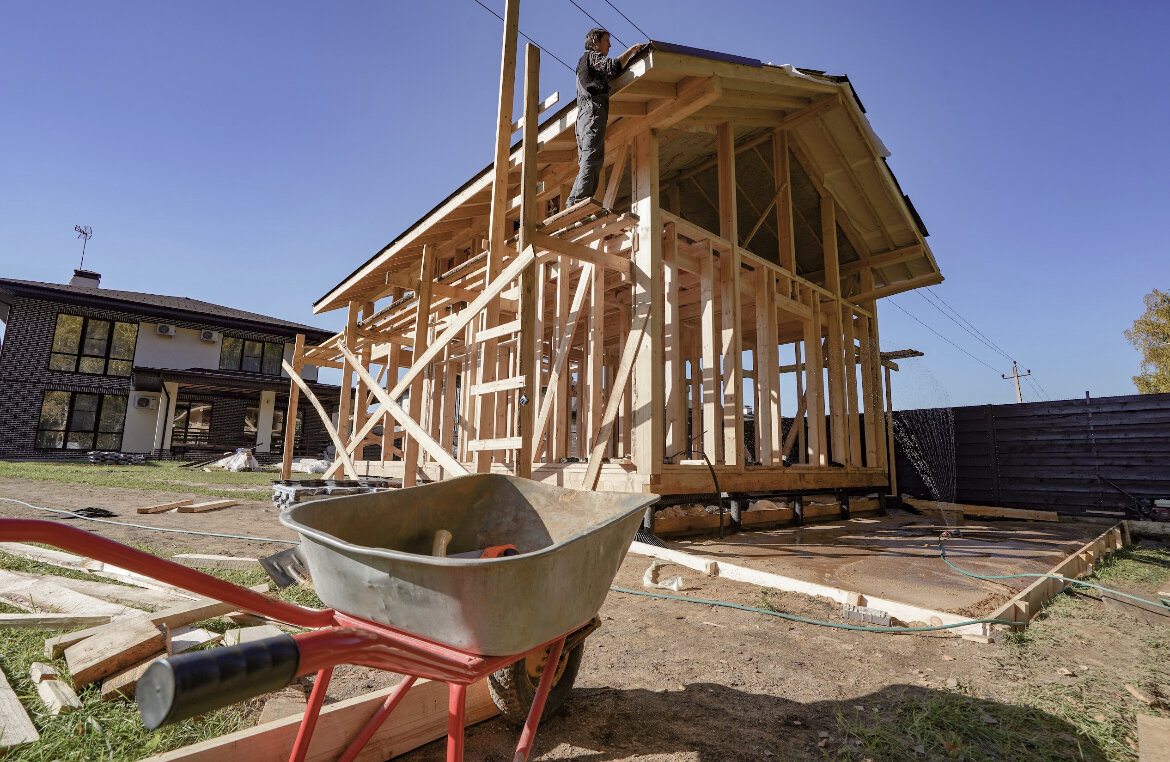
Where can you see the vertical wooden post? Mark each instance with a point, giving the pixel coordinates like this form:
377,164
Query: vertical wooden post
393,364
648,407
764,362
784,203
673,390
529,338
421,322
346,406
733,445
290,417
834,348
595,338
802,450
696,406
497,233
709,327
814,384
361,410
854,419
890,460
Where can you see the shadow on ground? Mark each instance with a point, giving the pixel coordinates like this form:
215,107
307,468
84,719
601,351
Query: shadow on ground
707,722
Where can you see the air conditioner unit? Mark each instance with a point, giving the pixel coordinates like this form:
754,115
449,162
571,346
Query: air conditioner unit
208,335
146,403
165,329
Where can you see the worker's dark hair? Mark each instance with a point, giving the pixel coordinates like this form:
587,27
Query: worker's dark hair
593,36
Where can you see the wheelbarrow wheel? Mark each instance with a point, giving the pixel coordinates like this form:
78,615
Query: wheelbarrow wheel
514,687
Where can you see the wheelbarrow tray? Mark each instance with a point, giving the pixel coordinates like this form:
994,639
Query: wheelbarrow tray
370,556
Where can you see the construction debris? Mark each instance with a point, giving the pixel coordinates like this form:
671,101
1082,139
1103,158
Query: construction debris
57,696
250,634
287,492
212,505
15,726
115,458
112,650
165,506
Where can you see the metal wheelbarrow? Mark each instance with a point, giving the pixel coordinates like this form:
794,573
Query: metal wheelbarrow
453,619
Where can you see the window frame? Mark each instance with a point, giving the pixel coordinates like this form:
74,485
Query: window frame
71,415
79,354
266,350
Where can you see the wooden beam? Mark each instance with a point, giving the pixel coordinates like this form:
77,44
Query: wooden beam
648,404
733,444
564,341
112,650
529,356
420,718
427,272
621,378
326,421
15,726
711,340
413,429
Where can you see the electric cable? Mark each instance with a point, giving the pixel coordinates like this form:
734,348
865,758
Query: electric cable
977,335
944,338
627,18
534,42
595,21
144,526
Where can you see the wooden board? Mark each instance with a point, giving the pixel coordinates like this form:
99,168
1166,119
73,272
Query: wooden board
250,634
165,506
124,595
128,642
902,611
65,560
200,561
1153,738
56,695
51,621
212,505
1029,601
40,594
418,720
15,726
982,511
180,615
124,683
765,516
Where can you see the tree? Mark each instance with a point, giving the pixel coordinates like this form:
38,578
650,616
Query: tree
1151,335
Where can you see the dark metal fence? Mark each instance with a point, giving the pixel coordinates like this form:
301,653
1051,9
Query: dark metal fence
1092,456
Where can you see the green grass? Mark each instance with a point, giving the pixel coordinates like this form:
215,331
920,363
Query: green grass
113,730
1140,564
158,476
956,726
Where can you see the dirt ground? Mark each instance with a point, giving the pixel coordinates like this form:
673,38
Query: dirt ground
681,681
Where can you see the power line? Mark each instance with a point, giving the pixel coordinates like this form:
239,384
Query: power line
995,346
534,42
595,21
627,18
1041,387
944,338
978,336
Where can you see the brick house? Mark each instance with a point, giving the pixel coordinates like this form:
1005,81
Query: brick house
88,368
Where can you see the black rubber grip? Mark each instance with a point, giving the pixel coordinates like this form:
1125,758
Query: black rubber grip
187,685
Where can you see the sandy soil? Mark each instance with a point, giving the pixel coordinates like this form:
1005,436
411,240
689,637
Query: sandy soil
679,681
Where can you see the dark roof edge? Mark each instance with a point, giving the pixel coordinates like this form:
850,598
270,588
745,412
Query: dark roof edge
95,300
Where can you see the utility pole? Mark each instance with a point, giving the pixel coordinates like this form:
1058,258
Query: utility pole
1015,376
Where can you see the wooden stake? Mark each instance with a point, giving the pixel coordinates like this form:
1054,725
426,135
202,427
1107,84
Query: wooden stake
290,417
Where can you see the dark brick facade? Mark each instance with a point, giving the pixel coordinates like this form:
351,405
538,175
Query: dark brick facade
25,376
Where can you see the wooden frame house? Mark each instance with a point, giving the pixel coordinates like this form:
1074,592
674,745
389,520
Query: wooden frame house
745,225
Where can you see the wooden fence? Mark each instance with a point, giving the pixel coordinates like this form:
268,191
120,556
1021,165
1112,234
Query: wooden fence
1090,457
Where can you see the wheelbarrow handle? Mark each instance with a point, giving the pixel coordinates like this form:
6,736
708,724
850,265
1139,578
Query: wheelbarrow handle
190,684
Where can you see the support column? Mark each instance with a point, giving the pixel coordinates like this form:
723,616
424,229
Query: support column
264,418
648,403
733,445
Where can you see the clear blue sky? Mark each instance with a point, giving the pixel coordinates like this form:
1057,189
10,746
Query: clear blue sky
252,154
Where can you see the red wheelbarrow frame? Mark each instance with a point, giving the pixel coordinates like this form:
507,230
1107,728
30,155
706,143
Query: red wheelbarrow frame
335,638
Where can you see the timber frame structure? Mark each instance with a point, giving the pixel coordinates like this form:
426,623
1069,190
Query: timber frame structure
746,224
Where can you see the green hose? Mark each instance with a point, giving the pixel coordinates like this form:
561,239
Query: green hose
1161,602
836,625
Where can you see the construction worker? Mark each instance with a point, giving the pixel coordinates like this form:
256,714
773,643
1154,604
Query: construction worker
594,71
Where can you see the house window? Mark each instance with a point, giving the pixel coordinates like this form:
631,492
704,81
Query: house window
90,345
191,424
250,356
81,421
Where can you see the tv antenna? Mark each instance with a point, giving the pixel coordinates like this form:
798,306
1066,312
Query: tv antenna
84,232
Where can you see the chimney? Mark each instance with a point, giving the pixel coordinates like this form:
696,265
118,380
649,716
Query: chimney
85,279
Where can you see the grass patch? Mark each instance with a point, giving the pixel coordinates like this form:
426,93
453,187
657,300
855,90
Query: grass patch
1142,564
158,476
28,566
955,726
113,730
100,730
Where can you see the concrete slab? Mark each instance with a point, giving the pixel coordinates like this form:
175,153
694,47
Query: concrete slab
897,557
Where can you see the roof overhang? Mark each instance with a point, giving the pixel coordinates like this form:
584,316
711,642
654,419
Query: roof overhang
152,380
673,89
